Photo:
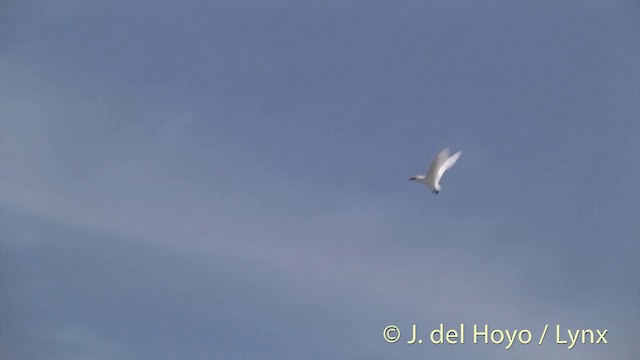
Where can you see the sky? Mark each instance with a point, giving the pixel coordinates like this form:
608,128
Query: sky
228,180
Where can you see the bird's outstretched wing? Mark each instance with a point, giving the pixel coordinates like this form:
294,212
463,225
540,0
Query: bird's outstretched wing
448,163
437,163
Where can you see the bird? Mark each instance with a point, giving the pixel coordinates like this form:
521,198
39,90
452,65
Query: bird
441,163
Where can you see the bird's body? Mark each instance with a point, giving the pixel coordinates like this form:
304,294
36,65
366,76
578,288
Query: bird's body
440,164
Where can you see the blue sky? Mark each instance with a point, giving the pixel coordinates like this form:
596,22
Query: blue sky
196,180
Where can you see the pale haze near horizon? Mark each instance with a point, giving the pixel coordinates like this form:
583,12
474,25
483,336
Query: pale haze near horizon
195,180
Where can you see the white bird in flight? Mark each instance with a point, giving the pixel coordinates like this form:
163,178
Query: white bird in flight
440,164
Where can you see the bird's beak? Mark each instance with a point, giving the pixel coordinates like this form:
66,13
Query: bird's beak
412,179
